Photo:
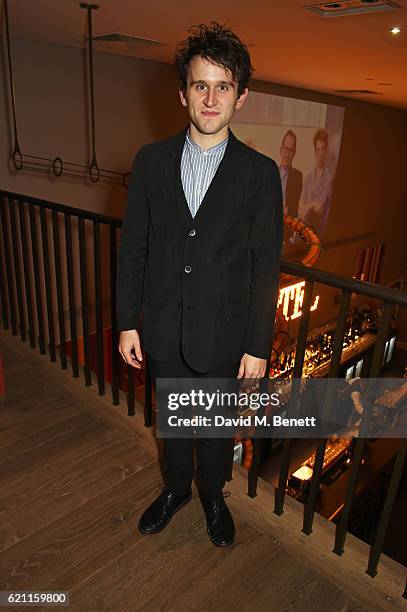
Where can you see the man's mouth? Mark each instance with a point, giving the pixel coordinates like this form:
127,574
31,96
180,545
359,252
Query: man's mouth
209,114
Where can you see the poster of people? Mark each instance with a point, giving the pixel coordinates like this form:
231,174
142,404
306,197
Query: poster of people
304,138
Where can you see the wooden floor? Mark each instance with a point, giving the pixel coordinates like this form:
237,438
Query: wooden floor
76,473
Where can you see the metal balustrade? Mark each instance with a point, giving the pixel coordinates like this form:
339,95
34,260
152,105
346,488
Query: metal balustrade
39,279
36,275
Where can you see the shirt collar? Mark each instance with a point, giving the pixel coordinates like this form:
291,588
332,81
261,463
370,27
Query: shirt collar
214,149
324,174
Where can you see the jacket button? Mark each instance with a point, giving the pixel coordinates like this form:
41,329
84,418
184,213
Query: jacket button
192,232
187,269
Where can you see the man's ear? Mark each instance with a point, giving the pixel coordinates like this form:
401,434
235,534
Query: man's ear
182,97
241,99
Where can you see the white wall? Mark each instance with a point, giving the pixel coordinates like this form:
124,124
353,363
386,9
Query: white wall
136,101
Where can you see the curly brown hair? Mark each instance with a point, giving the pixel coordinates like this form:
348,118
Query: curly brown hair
219,45
320,134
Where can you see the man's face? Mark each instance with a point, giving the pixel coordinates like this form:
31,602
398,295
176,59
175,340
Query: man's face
320,153
211,96
287,151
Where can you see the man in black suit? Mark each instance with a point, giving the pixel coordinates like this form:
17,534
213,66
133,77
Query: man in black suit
199,257
291,178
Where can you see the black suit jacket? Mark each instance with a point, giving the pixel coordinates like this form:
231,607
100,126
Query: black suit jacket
293,191
210,282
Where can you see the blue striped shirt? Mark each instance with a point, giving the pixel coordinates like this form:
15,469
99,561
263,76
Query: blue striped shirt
198,167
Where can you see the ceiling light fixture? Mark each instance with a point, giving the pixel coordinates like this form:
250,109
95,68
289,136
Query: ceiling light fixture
351,7
395,30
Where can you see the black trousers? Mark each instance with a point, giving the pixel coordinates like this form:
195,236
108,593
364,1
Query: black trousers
212,454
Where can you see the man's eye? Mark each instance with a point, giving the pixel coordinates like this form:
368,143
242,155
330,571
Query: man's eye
224,87
200,87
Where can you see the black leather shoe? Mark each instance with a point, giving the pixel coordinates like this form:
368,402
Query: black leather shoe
160,512
219,521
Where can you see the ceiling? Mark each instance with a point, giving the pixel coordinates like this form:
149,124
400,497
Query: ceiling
288,44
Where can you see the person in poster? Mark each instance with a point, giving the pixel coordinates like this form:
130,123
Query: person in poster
316,193
291,178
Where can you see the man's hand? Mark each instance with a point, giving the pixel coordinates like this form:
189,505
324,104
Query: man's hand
252,367
130,340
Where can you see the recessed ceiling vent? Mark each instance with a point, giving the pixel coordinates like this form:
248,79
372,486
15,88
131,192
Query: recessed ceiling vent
358,91
351,7
126,39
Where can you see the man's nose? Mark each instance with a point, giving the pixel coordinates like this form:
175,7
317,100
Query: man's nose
211,99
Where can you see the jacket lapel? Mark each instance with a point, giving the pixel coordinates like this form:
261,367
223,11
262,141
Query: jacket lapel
216,190
181,203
